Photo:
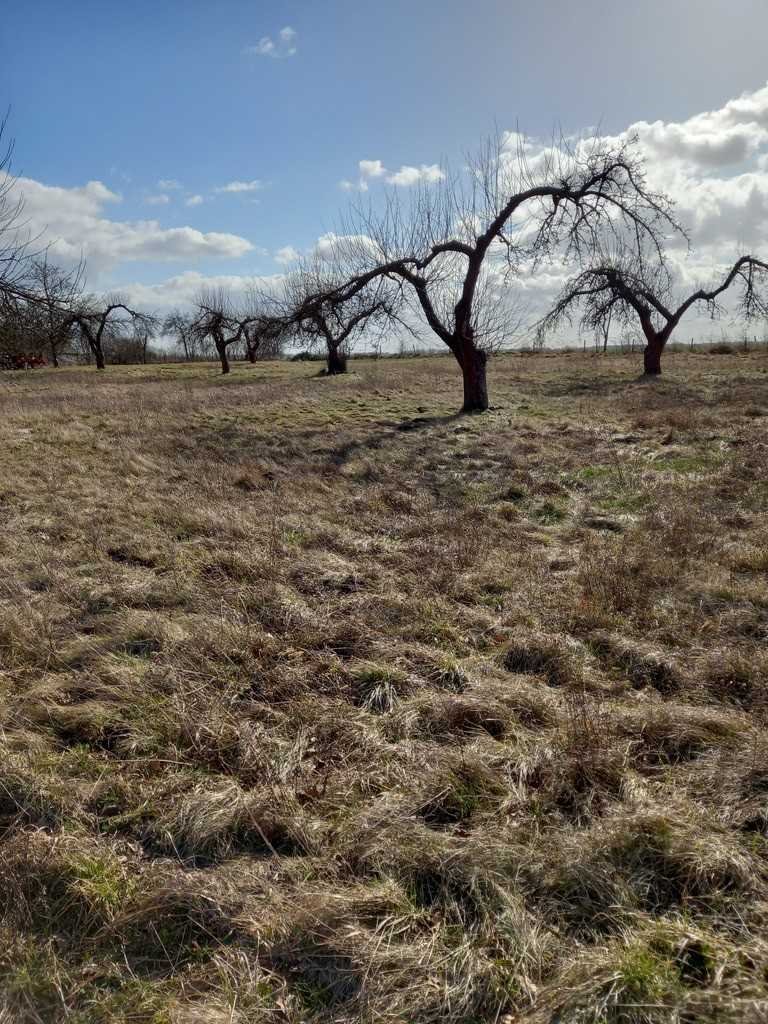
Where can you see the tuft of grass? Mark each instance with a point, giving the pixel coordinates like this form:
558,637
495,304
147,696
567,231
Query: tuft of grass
378,688
547,656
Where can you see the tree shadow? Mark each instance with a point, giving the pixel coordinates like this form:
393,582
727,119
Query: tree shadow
231,442
342,453
607,386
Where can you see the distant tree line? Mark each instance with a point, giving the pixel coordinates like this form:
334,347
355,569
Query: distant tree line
444,260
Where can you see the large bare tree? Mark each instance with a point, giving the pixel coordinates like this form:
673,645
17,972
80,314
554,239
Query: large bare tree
265,328
14,241
99,320
54,294
217,317
505,212
337,325
632,286
251,322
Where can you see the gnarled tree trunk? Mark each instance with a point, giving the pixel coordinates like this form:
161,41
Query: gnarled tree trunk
98,352
652,358
654,346
221,348
472,361
337,361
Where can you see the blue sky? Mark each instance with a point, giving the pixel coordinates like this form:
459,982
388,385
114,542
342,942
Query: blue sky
130,95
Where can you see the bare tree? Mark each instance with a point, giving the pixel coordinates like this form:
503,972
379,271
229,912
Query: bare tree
14,247
337,325
98,322
19,330
264,338
218,318
55,294
508,212
142,334
179,325
265,326
634,286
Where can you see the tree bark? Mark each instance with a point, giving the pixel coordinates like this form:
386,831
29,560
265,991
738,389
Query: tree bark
99,355
251,354
222,350
337,361
473,362
652,356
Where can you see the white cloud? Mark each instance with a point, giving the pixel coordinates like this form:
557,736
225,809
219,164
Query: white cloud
287,255
195,200
159,200
713,139
372,169
280,48
241,186
168,184
407,176
714,166
181,289
331,245
73,221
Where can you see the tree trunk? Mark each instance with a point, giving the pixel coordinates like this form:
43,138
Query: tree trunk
99,354
222,350
652,356
473,368
251,351
337,361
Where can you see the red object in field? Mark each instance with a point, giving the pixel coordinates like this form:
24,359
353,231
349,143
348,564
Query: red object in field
22,361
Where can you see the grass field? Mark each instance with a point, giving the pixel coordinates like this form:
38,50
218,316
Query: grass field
323,704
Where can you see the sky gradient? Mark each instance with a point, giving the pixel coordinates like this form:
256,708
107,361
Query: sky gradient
179,141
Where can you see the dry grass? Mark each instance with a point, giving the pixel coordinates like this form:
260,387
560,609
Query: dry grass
321,704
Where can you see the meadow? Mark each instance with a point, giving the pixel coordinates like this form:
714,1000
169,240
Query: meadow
321,703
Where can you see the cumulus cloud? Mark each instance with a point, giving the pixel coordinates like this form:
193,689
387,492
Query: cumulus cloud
241,186
407,176
195,200
404,178
372,169
282,46
331,245
714,165
287,255
74,221
168,184
181,289
713,139
158,200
